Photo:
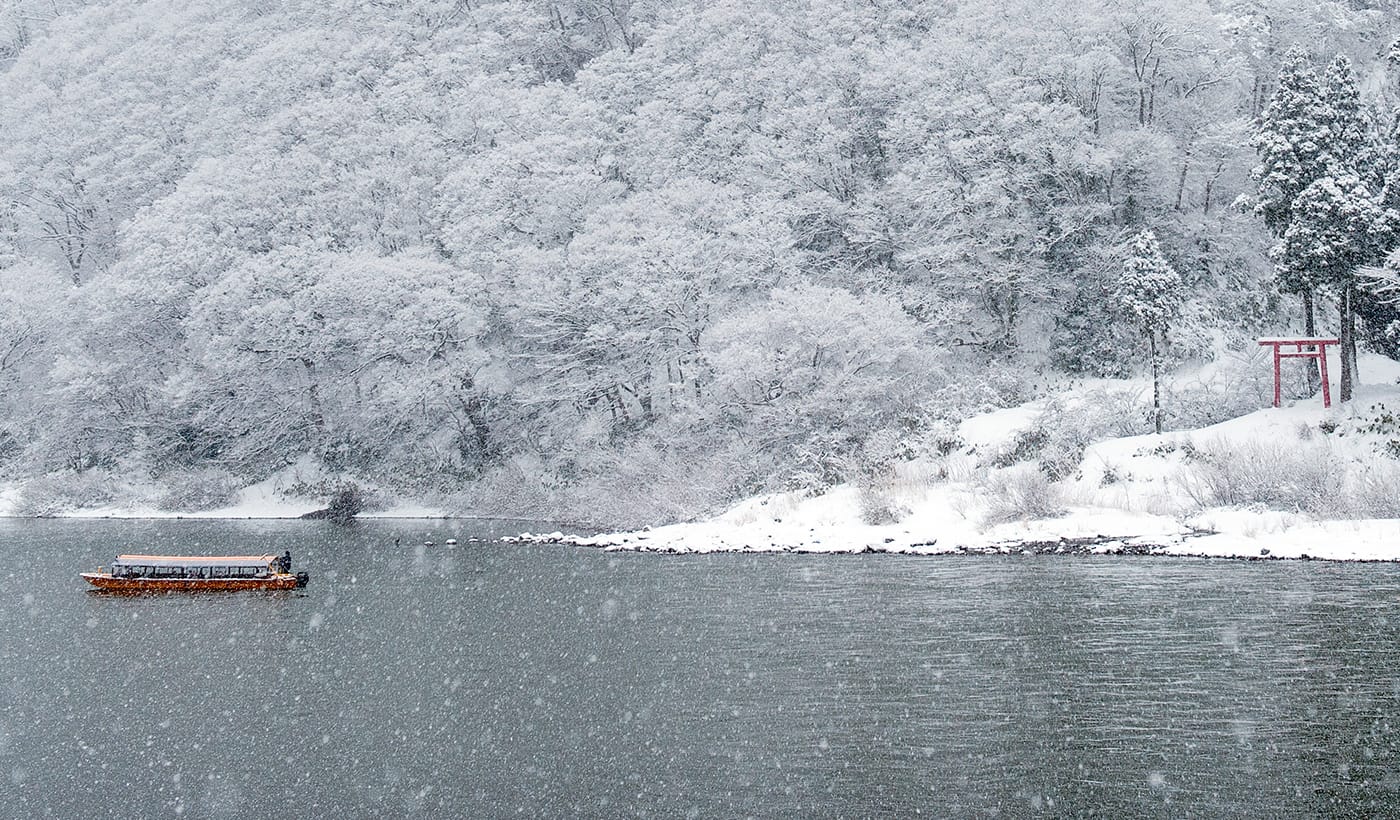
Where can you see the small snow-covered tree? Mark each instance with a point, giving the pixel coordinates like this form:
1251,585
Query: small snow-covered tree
812,373
1151,291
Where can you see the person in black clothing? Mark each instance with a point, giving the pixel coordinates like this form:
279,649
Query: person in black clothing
285,561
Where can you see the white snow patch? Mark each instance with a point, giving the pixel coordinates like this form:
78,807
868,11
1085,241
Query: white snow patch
994,429
9,497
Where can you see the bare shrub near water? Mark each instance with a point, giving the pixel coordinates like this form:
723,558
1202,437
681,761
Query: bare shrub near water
1022,495
878,505
877,478
59,493
1374,492
648,485
1298,476
518,488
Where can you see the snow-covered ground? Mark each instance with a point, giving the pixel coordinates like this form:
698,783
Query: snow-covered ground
1136,494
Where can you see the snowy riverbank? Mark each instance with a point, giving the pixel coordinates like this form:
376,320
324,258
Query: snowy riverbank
1299,481
286,494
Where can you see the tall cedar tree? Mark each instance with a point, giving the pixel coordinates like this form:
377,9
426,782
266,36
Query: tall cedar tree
1338,226
1290,142
1338,222
1389,161
1151,291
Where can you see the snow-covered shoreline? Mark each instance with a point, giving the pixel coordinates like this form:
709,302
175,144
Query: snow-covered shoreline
1368,541
268,499
1128,495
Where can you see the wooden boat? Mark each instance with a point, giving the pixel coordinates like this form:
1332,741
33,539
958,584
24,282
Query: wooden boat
201,573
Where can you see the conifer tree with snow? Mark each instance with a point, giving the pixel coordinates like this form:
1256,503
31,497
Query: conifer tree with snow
1388,159
1378,302
1151,291
1290,140
1338,227
1345,125
1339,223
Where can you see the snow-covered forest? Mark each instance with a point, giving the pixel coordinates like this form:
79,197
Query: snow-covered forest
630,260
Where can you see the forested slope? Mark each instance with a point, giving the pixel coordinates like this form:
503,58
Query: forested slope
611,259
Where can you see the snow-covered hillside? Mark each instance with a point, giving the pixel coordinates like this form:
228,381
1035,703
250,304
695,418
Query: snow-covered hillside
1296,481
630,262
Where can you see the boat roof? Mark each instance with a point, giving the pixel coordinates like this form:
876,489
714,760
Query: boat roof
196,560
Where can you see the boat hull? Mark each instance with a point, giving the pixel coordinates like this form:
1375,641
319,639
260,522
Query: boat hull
104,581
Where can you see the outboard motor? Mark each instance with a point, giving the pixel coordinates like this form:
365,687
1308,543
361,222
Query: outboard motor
302,579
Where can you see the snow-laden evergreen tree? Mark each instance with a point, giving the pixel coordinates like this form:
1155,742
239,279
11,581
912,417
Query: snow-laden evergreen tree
1377,304
1340,222
1290,141
1350,132
1388,158
1151,291
1338,226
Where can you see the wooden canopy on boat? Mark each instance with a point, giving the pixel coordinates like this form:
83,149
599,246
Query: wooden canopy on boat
194,560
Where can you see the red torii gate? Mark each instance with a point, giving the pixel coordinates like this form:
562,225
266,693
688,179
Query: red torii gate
1318,351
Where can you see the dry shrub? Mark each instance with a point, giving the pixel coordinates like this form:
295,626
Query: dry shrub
879,503
1292,476
1056,440
59,493
1239,383
521,487
1373,491
1022,494
877,477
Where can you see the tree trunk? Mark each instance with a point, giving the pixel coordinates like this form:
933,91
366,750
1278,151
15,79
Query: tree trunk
313,395
477,441
1210,186
1347,345
1156,384
1310,330
1181,182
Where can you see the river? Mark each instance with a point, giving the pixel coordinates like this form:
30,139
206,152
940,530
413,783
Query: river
491,679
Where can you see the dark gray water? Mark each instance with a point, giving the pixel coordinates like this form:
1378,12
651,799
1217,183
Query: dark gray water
494,680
